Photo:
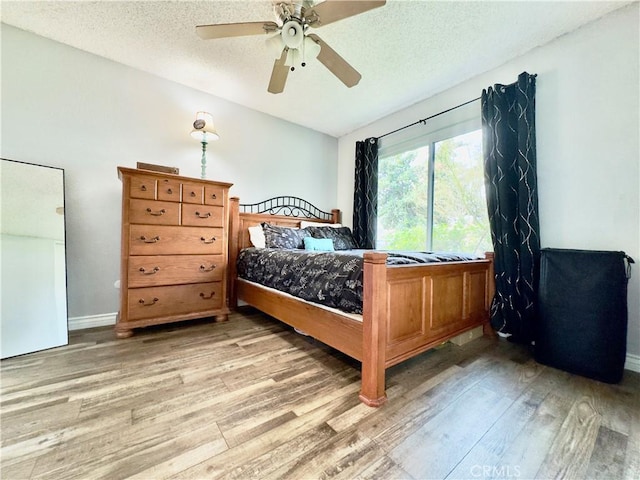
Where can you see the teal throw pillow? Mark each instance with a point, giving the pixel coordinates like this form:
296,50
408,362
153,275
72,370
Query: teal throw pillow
318,244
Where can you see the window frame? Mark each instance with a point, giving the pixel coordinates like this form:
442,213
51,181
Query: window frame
460,121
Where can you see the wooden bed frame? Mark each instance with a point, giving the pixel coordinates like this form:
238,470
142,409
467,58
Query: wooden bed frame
407,309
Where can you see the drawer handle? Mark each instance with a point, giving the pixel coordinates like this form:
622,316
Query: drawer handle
205,269
159,213
203,215
204,240
209,297
150,272
150,240
213,196
193,194
169,191
143,188
144,304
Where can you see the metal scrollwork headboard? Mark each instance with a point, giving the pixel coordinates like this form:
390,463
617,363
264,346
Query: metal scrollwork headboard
286,206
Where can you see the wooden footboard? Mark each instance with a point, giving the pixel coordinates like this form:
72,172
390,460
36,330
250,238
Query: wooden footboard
411,308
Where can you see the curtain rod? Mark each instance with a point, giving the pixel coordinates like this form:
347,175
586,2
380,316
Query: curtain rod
428,118
444,111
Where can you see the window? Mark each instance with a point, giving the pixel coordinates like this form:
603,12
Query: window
431,192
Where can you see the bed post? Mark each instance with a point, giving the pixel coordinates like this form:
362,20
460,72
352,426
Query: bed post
234,233
374,327
335,215
491,291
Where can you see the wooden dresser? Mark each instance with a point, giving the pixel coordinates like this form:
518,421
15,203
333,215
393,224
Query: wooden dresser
174,249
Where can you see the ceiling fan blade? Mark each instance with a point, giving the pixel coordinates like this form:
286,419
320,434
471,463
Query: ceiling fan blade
223,30
336,64
279,74
331,11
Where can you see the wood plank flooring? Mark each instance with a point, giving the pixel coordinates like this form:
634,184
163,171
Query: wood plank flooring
251,399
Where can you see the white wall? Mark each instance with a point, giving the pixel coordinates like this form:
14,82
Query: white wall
588,143
66,108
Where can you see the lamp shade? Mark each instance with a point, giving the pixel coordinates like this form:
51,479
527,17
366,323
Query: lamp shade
203,128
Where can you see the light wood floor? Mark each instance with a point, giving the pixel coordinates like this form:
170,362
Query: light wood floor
252,399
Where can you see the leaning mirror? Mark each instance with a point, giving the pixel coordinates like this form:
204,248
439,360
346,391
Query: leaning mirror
32,261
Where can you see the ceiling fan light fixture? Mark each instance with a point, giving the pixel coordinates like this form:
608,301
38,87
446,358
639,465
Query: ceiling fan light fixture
311,48
292,34
275,45
289,61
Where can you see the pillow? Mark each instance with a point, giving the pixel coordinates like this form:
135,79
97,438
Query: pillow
283,237
318,244
256,236
305,224
341,236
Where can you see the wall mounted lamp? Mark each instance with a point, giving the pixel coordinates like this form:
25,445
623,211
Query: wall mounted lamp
204,131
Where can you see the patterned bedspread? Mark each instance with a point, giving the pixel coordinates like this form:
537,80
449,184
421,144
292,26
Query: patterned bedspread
333,279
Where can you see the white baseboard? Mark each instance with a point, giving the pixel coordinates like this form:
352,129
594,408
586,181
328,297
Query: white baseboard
91,321
632,363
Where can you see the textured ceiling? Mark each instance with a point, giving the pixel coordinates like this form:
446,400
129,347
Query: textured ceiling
406,51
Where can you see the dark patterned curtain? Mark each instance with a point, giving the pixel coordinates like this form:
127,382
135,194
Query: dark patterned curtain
365,197
509,145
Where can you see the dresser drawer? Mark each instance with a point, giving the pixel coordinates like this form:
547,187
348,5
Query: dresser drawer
148,271
169,190
214,195
163,301
152,212
142,187
170,240
192,193
202,215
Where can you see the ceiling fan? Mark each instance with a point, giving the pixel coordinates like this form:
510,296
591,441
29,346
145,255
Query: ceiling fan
292,42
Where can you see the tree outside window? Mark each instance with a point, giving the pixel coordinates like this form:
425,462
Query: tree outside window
434,205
